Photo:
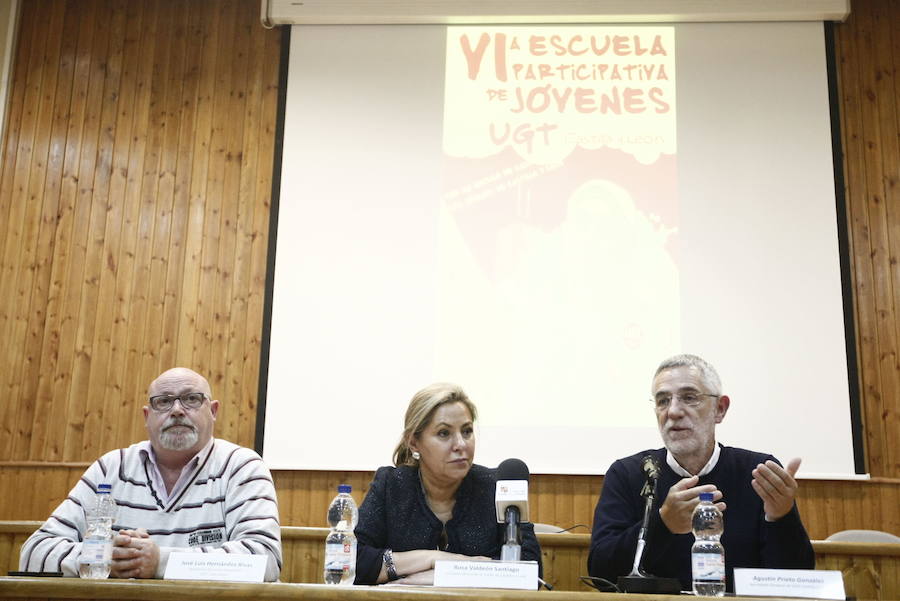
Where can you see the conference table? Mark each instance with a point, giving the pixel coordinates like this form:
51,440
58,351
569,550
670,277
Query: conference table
12,587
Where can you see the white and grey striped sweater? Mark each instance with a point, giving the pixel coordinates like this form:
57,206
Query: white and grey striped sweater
228,506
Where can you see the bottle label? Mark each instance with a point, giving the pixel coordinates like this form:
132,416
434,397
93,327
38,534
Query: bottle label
337,556
96,549
708,566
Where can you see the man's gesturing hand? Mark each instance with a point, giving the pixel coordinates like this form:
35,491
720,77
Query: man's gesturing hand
776,487
679,505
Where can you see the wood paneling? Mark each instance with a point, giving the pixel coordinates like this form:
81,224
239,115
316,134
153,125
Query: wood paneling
568,501
564,555
12,536
868,57
827,506
134,198
134,208
871,571
303,497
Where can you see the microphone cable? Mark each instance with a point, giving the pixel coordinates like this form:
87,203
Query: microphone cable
585,526
601,584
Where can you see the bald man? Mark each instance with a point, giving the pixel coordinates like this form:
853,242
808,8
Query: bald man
181,490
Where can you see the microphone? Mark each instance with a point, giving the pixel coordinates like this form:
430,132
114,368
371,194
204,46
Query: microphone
511,503
639,581
650,467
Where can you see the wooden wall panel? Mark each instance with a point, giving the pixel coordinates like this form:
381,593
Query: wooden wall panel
31,491
871,571
868,56
569,501
12,536
134,208
134,190
35,490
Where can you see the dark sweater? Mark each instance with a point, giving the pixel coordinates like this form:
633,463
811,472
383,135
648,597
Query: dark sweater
749,540
395,515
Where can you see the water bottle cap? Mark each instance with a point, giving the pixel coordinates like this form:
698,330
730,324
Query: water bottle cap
102,488
706,496
345,488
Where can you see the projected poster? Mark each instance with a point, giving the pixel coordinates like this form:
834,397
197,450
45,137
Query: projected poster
498,207
559,219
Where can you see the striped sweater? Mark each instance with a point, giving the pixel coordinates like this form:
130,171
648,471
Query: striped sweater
228,506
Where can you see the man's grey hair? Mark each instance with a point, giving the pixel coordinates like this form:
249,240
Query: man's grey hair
707,372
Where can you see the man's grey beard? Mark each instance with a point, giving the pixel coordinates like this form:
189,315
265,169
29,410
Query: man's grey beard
180,439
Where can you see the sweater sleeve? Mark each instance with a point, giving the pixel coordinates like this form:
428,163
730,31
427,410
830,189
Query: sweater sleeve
56,545
787,544
251,517
371,531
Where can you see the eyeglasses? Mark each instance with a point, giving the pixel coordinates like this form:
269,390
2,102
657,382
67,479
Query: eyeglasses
165,402
688,398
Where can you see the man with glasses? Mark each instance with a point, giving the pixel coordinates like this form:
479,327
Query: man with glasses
755,493
181,490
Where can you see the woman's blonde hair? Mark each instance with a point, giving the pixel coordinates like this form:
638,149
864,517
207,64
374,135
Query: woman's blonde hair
420,411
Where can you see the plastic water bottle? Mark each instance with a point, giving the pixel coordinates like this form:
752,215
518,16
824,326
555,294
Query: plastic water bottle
96,548
340,545
707,554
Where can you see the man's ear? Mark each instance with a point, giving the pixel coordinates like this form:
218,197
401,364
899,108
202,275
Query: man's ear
722,405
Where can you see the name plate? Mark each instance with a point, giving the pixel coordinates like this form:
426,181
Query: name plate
522,575
227,567
812,584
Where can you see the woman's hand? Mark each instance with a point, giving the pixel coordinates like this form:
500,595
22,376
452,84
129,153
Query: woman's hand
411,564
446,556
425,578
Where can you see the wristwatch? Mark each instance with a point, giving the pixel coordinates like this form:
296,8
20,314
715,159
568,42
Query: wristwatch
388,558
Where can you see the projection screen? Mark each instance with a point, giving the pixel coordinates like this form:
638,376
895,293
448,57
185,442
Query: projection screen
541,214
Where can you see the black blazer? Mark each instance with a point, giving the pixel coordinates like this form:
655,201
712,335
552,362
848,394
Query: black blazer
395,515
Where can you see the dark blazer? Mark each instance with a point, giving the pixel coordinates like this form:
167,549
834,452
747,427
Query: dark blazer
395,515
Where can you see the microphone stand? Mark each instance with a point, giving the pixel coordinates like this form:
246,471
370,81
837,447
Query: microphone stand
639,581
511,550
649,496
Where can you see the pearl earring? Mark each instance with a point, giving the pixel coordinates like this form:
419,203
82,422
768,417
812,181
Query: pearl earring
416,455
